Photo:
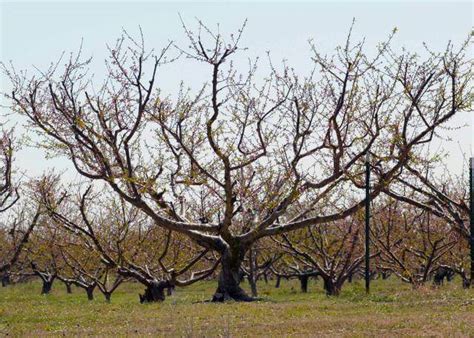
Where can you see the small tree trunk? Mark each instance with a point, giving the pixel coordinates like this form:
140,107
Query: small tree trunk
47,285
277,284
90,292
265,277
253,286
228,286
107,296
304,283
68,287
6,279
252,273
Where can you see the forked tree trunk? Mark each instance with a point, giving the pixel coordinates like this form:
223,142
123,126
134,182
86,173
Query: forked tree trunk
107,296
228,286
155,291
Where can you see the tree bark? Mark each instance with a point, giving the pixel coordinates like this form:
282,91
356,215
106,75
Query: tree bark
228,286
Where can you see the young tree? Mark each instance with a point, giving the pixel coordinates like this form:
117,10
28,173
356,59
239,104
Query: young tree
244,159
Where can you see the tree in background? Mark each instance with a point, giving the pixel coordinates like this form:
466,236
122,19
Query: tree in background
334,251
12,236
112,235
443,195
413,243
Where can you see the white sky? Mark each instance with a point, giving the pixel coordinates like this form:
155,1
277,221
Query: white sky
36,33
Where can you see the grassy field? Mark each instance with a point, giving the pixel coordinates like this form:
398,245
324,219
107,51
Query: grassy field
392,309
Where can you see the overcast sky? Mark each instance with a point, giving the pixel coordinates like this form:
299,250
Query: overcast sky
36,33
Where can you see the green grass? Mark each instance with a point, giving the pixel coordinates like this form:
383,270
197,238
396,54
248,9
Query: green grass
392,309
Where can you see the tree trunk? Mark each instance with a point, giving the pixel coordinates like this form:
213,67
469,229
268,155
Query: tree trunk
47,285
155,291
331,288
228,286
304,283
68,287
277,284
107,296
253,286
90,292
6,279
252,272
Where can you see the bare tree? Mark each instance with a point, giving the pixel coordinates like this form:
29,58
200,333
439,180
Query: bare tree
15,231
123,239
258,263
443,195
244,159
333,251
8,191
412,242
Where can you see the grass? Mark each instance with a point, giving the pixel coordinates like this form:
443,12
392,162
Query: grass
392,309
